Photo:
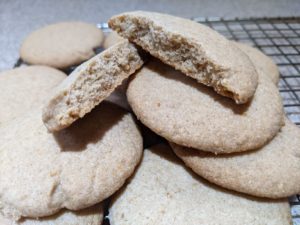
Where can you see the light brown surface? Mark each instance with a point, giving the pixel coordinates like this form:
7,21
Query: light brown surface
190,114
61,45
89,84
164,192
89,216
272,171
41,173
111,39
192,48
262,62
25,88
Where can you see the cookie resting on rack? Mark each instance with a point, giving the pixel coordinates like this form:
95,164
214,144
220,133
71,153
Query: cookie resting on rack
164,192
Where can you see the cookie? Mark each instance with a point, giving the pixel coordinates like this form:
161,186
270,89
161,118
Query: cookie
89,84
41,172
89,216
193,115
61,45
261,61
112,39
163,191
272,171
25,88
194,49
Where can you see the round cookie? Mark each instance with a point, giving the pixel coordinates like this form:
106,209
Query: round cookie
272,171
190,114
261,61
41,173
164,192
61,45
89,216
111,39
25,88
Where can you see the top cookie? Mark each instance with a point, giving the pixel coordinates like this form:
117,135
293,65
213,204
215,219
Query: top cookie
192,48
261,61
62,44
89,84
164,192
190,114
25,88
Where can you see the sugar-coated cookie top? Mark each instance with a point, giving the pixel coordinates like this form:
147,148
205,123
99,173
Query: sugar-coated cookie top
61,45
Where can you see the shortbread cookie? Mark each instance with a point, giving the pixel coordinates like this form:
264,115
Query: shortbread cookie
112,39
164,192
62,44
25,88
189,114
194,49
89,216
272,171
89,84
41,173
261,61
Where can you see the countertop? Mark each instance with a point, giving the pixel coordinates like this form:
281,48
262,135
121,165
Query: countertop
20,17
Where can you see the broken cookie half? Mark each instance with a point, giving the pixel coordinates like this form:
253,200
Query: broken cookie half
89,84
192,48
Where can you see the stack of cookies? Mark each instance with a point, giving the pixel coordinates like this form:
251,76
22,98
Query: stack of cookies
229,155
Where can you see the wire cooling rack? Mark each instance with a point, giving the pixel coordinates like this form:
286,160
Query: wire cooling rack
280,39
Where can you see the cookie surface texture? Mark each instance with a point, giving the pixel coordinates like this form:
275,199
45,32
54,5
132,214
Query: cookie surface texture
111,39
261,61
89,216
41,172
193,115
25,88
272,171
163,191
61,45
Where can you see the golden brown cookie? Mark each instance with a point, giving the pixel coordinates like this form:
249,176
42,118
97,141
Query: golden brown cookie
61,45
164,192
272,171
190,114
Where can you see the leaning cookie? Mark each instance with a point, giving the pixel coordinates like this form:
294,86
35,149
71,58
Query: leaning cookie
25,88
112,39
89,216
194,49
41,172
89,84
261,61
272,171
61,45
163,192
190,114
